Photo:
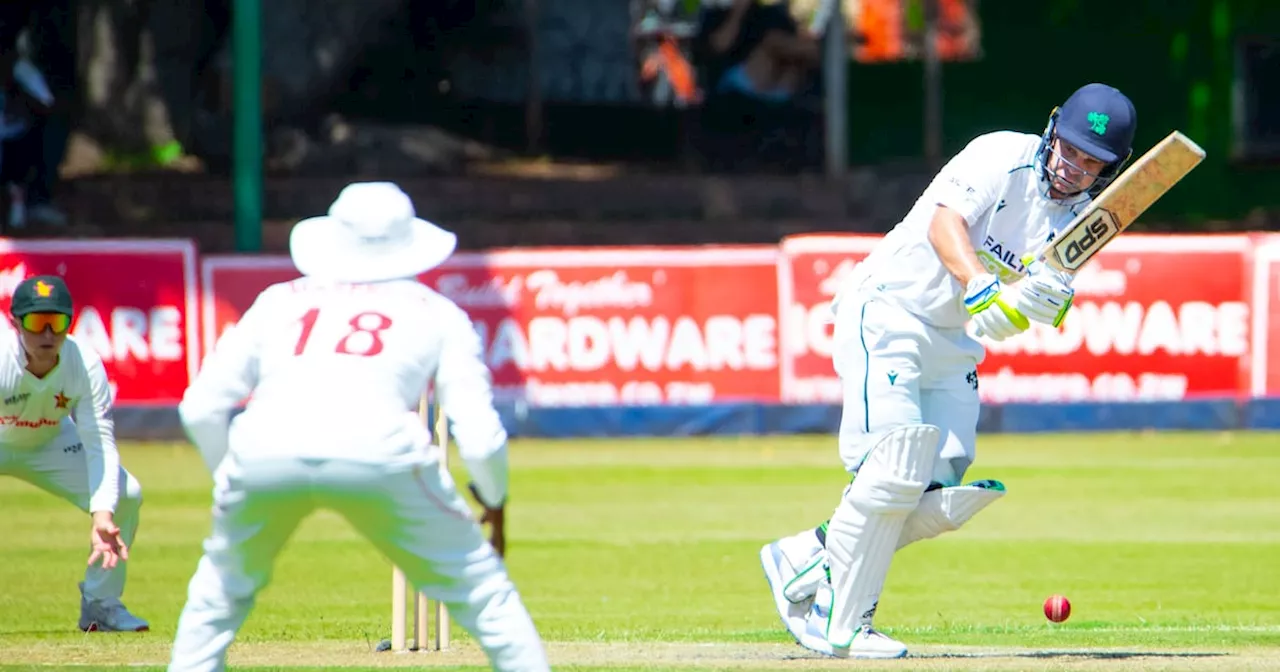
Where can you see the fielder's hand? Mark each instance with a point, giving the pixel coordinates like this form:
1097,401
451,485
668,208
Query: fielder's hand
104,539
496,518
1044,296
988,303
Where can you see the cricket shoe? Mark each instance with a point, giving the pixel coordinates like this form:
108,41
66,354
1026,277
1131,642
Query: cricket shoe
108,616
871,643
779,573
868,643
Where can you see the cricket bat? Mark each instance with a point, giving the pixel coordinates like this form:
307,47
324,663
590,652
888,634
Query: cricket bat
1122,202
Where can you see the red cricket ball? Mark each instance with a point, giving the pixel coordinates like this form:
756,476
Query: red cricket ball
1057,608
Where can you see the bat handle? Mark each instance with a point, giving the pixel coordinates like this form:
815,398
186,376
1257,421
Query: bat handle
1032,261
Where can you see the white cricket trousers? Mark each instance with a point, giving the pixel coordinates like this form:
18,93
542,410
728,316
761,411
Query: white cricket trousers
59,468
412,513
896,370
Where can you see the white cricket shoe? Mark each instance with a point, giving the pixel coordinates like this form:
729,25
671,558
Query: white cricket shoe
108,616
779,572
868,643
871,643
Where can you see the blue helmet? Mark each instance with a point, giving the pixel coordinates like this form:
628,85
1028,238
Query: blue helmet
1099,120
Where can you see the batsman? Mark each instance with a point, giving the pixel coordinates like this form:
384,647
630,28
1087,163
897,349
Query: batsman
956,266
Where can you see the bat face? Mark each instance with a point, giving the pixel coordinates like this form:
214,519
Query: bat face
1075,247
1122,202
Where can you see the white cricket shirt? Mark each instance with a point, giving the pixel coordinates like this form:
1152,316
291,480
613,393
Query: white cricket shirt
994,185
336,370
32,410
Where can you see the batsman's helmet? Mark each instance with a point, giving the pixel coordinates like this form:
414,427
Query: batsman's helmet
1097,119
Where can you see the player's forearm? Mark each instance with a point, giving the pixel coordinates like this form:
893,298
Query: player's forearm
465,392
104,473
489,476
949,235
226,379
104,478
481,438
97,435
207,428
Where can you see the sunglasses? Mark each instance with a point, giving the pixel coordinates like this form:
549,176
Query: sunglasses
37,322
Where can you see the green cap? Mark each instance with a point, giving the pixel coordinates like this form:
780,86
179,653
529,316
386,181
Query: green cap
41,294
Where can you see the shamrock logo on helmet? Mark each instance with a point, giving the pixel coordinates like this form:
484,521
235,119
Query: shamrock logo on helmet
1098,122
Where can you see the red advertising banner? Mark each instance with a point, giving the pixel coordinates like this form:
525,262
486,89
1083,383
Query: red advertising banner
1156,317
567,327
1264,365
136,305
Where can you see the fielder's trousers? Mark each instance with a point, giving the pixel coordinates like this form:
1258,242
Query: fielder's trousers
413,514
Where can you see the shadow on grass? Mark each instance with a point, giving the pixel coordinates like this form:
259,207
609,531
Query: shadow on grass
1091,655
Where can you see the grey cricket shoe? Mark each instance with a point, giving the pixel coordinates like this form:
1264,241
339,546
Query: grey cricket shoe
108,616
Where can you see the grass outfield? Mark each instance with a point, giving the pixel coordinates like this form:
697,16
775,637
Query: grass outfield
642,554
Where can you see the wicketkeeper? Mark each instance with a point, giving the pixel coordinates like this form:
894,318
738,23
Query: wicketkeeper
333,365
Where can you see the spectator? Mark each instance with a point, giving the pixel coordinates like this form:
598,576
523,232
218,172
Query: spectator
763,52
28,160
53,51
758,61
26,101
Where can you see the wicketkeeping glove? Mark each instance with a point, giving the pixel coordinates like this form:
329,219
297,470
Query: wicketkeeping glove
1043,296
988,303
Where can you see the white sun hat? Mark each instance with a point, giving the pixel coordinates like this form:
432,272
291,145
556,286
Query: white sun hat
371,234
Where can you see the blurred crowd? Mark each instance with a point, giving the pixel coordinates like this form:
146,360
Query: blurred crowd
37,77
757,75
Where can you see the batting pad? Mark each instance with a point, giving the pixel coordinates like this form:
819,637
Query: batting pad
946,509
864,530
939,511
806,555
805,583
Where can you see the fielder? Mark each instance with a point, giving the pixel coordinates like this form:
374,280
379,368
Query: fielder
909,367
57,434
336,363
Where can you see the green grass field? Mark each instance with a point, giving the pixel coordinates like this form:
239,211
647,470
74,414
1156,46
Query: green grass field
643,555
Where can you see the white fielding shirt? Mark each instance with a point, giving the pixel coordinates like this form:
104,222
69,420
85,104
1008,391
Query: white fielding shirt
994,185
336,371
32,410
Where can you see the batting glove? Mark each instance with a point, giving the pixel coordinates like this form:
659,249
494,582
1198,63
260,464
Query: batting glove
988,303
1044,296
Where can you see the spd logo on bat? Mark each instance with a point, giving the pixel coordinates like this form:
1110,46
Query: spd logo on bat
1075,247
